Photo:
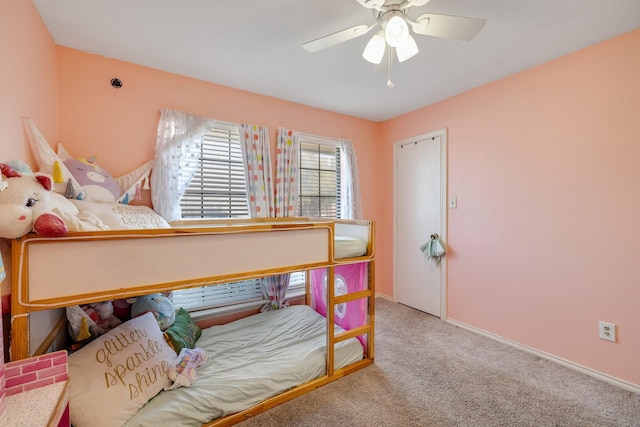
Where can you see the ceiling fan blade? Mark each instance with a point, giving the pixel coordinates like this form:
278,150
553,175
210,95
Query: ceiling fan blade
337,38
448,26
417,2
372,4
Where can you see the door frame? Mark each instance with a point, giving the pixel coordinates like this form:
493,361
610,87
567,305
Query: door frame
442,133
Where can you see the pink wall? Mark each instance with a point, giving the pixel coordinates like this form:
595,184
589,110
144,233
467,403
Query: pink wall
28,87
544,242
28,75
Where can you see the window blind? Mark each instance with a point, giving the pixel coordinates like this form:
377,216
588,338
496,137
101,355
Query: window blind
218,188
217,295
319,180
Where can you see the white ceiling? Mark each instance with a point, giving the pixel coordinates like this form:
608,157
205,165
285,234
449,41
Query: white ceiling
256,45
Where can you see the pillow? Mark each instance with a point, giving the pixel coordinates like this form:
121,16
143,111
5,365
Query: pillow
118,216
117,373
97,183
183,333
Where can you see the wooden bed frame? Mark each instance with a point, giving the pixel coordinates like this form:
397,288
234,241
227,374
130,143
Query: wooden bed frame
82,268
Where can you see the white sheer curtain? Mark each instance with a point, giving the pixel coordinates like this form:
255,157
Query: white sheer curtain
254,142
287,163
351,206
177,156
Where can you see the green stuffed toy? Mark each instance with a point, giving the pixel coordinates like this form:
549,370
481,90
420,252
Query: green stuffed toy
161,307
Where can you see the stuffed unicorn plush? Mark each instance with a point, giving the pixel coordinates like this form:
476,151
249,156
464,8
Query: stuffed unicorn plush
28,204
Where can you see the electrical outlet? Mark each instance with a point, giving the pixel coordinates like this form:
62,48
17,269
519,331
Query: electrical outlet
608,331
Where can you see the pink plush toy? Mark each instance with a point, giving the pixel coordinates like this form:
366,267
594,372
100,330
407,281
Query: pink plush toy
28,204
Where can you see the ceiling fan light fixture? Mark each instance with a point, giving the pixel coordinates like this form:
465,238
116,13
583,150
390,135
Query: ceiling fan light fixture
396,30
374,51
407,50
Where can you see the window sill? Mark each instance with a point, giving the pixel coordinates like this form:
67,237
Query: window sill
211,313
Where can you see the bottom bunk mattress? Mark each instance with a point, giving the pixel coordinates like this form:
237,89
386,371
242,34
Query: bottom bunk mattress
249,360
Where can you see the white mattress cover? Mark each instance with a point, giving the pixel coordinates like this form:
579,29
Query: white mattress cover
348,247
250,360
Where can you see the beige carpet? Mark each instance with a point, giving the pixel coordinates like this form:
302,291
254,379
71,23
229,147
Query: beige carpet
430,373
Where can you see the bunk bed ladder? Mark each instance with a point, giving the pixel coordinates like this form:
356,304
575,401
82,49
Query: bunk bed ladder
332,300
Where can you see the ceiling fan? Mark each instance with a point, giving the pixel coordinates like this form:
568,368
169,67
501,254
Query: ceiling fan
392,17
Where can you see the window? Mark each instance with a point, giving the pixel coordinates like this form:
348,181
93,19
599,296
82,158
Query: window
218,190
319,194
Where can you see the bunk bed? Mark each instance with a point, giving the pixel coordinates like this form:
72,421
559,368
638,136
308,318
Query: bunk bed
82,268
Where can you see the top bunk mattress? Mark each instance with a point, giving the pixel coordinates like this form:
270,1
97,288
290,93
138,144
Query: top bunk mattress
250,360
349,247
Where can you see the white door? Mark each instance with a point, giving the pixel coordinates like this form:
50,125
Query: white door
420,211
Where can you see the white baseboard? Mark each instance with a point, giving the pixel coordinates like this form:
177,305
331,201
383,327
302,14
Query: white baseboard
387,297
564,362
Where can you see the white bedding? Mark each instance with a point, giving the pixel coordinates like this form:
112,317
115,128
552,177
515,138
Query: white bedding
348,247
250,360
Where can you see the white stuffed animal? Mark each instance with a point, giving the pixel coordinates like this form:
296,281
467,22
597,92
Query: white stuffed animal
28,204
182,372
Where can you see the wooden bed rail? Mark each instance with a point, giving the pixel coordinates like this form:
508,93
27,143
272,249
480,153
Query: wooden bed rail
236,418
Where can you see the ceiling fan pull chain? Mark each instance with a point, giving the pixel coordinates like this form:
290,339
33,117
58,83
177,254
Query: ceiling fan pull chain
389,82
